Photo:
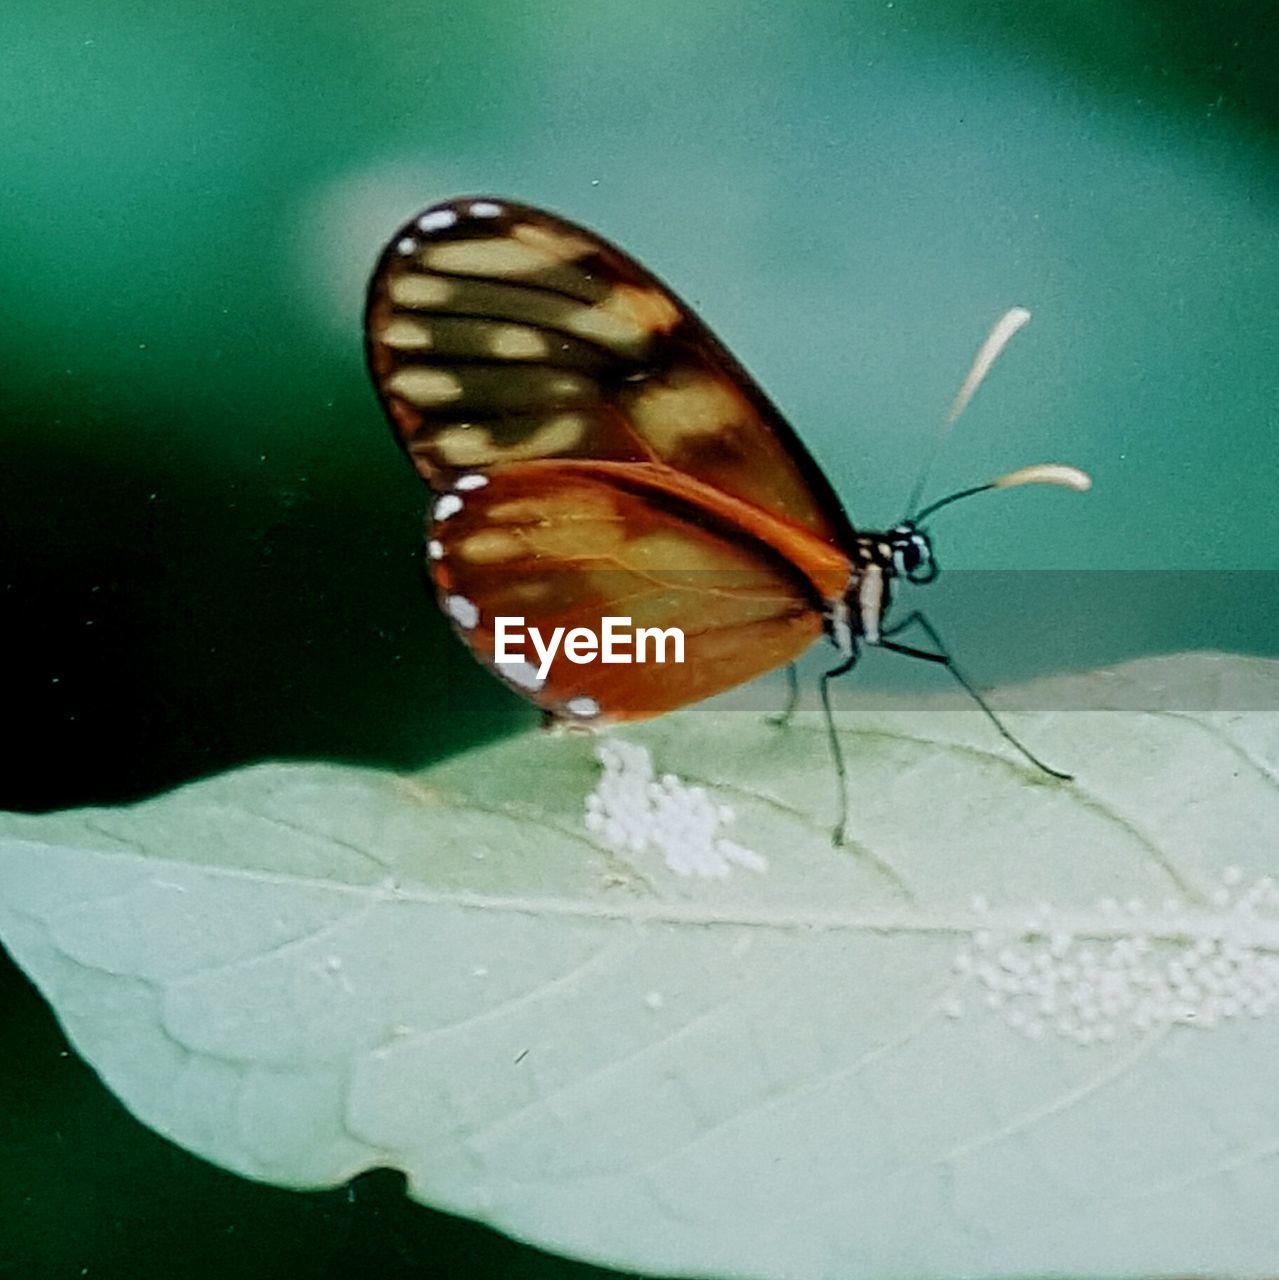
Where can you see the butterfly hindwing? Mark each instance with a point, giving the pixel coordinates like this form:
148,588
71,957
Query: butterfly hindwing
556,547
498,334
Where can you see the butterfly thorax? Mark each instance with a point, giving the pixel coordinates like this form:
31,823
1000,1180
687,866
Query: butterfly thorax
875,560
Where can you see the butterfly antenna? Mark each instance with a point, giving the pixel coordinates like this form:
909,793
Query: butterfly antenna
1058,473
996,340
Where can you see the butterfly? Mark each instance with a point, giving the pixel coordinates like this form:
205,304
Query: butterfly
596,452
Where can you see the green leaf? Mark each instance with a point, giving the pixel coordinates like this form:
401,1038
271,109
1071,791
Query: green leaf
1018,1026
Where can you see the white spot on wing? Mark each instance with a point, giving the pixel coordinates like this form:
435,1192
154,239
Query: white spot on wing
521,674
415,290
405,333
425,387
463,611
484,209
435,549
406,246
437,219
473,481
468,445
582,706
518,342
448,505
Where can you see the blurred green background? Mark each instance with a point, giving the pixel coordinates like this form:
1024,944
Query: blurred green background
211,543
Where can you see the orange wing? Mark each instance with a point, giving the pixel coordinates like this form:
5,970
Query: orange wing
498,333
558,547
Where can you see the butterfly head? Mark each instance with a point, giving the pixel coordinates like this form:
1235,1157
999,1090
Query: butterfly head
910,553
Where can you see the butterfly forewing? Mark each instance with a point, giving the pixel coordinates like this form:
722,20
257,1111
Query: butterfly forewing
499,334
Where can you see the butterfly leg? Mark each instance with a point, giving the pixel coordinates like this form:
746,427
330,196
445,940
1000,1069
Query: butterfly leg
561,725
836,751
783,717
942,657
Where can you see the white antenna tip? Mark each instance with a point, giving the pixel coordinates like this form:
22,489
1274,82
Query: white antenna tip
1046,473
996,340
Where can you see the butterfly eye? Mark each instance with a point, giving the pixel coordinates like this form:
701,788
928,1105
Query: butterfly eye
920,565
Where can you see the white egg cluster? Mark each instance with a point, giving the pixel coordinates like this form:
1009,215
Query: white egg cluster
634,812
1124,969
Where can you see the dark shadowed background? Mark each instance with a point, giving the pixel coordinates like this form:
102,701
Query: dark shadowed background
211,544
